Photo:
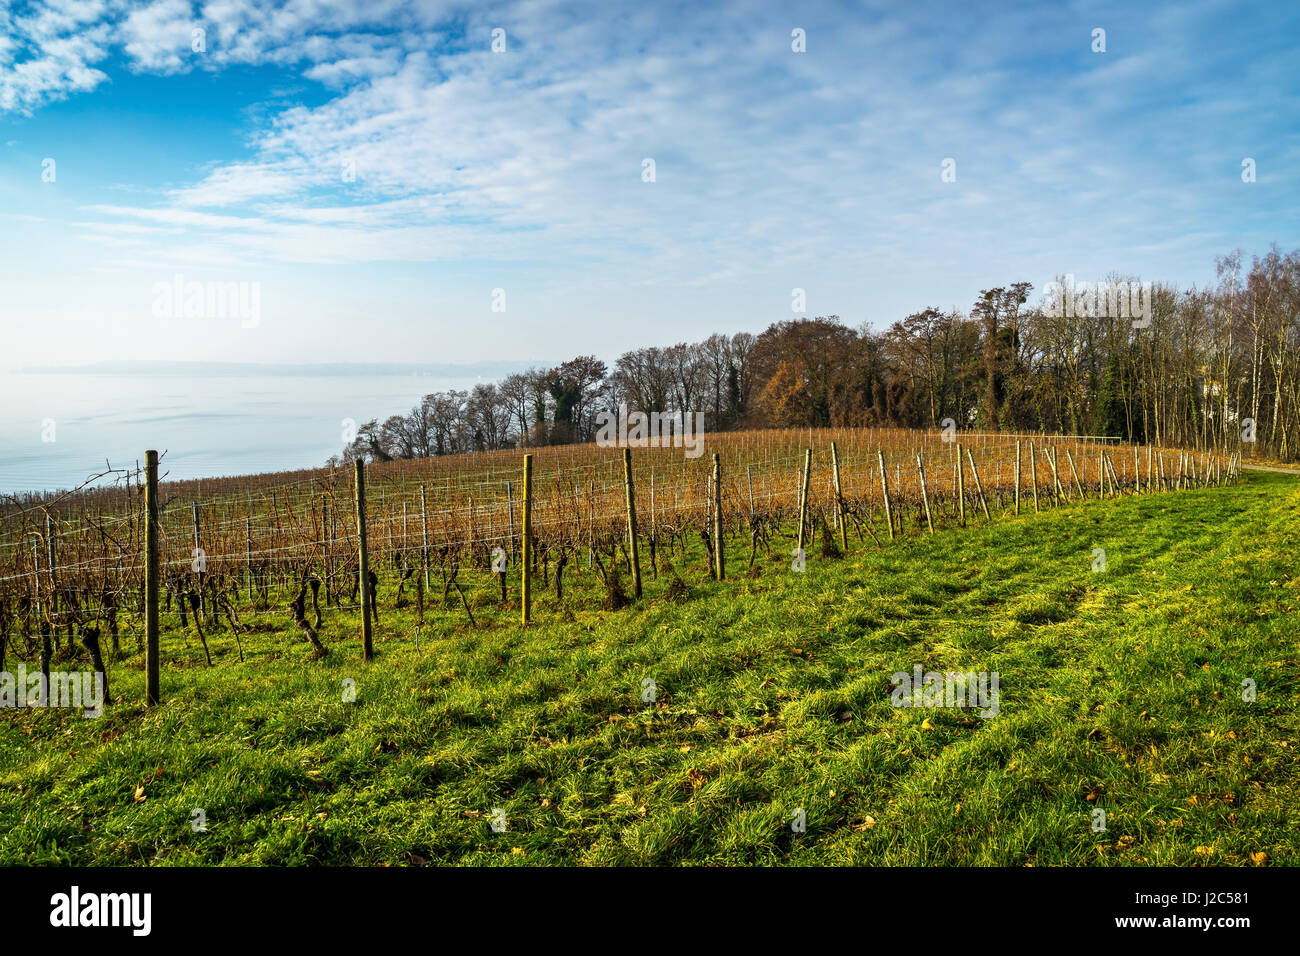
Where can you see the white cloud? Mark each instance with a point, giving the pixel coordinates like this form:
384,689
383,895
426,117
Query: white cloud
773,169
51,53
159,37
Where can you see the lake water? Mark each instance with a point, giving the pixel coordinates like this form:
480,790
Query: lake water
209,425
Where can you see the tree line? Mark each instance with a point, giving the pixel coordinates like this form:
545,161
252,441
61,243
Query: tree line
1199,368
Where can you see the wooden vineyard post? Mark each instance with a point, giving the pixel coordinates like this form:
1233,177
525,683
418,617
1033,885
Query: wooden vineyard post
708,512
803,496
979,488
884,488
526,545
363,559
248,554
1057,489
1033,474
1017,476
839,500
424,532
798,497
654,517
719,562
961,486
631,521
327,541
194,512
1069,459
956,460
1137,479
925,498
153,693
510,511
36,575
49,560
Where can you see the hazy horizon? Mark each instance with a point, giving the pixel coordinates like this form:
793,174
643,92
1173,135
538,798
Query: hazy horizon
331,195
266,424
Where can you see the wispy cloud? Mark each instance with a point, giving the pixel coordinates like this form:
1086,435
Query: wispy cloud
419,144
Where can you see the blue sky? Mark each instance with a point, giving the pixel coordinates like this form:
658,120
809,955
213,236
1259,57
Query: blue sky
522,170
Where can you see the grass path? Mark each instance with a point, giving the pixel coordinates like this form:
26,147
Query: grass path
1120,690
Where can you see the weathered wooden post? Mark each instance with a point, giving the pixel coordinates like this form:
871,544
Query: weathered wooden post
884,488
1033,473
52,565
36,575
839,500
961,486
194,515
1017,476
327,542
979,488
631,521
1058,488
719,561
803,496
424,533
363,560
925,498
153,694
1078,480
526,546
654,529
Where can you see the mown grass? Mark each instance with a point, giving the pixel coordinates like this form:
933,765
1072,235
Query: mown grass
1120,690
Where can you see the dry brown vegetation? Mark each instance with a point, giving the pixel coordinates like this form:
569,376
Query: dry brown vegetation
262,540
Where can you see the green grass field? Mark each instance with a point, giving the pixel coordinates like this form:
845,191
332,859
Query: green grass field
1120,690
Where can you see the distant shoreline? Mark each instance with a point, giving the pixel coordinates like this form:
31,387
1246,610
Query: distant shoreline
280,369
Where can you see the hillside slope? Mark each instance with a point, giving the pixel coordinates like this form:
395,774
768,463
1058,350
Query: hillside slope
1119,689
